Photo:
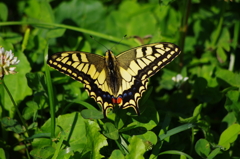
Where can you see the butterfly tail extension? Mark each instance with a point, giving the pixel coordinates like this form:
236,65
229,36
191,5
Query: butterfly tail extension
131,96
101,97
104,109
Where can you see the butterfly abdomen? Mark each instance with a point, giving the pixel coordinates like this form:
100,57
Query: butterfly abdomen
113,73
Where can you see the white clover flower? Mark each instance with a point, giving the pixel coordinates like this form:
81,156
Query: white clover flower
179,79
6,60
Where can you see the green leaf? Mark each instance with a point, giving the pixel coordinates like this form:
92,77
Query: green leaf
5,44
110,131
216,32
224,39
141,29
81,136
205,71
4,12
202,147
200,85
12,125
166,79
85,104
214,153
116,154
39,10
92,114
58,151
8,39
222,57
173,152
164,128
30,110
229,77
204,93
2,154
54,33
233,96
39,135
93,11
25,39
124,8
149,138
195,117
145,99
165,2
176,130
13,37
232,103
229,136
36,81
229,119
148,119
19,147
43,153
95,139
136,148
72,91
17,84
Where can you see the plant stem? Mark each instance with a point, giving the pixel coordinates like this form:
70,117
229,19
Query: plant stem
184,25
50,94
234,44
54,25
19,114
15,106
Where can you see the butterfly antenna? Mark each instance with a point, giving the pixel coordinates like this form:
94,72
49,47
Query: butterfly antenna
118,42
98,42
105,46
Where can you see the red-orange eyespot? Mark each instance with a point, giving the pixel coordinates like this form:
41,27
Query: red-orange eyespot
114,100
117,100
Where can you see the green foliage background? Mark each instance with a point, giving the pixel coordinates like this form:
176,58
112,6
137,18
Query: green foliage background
193,118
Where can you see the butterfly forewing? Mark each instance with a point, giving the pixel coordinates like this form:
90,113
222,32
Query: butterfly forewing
147,60
90,69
